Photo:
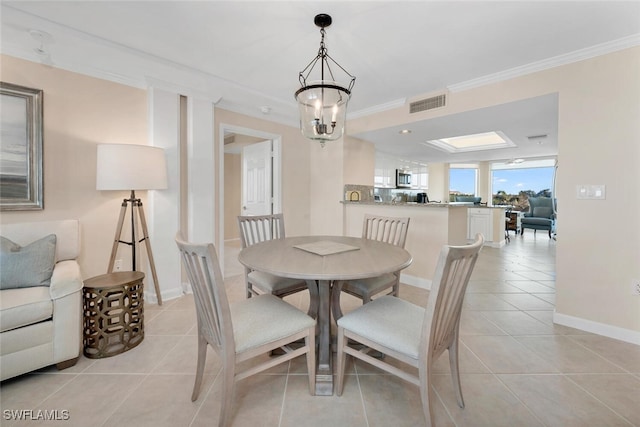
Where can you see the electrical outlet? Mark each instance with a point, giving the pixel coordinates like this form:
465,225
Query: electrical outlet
635,287
118,265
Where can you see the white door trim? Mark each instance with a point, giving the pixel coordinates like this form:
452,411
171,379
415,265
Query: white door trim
276,174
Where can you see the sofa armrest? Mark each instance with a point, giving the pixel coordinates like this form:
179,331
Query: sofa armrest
66,279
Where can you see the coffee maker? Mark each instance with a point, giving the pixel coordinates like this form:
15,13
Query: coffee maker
422,198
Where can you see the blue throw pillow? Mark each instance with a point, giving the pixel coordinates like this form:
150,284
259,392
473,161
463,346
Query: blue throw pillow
31,265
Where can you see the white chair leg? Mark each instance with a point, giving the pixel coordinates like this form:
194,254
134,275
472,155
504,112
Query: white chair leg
310,342
228,384
426,395
455,371
202,356
341,358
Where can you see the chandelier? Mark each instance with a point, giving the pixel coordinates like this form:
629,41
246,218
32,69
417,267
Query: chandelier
323,102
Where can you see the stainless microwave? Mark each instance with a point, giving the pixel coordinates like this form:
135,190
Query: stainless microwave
403,179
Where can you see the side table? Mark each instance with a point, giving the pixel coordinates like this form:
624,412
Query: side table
113,308
515,221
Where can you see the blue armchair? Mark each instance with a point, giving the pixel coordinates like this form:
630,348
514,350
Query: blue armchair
469,199
540,215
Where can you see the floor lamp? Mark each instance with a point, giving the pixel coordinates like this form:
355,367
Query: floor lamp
132,167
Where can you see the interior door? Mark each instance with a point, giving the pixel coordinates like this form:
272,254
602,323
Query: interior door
256,179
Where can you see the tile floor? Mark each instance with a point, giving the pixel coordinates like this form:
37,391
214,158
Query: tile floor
518,368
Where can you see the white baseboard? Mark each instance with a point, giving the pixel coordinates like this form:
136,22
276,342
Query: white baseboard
167,295
622,334
418,282
603,329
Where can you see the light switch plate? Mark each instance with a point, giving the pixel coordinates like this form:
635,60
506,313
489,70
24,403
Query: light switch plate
591,191
581,191
598,192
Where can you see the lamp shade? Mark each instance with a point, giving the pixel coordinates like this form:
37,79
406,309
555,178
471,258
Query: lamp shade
130,167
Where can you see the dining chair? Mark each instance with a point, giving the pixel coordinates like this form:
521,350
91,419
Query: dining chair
412,334
260,228
243,330
390,230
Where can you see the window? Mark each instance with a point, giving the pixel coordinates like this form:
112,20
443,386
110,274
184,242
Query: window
513,185
463,181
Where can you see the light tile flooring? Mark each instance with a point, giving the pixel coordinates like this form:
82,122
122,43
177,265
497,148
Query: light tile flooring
518,368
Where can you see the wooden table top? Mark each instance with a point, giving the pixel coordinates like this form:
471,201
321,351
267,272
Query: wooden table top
280,257
117,278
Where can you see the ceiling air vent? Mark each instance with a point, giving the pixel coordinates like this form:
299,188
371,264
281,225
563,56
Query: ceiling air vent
427,104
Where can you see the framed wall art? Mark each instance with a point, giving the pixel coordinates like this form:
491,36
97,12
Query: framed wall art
21,174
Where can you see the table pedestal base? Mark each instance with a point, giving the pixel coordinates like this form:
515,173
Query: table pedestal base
324,371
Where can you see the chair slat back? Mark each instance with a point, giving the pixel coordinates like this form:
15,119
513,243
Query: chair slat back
212,306
260,228
385,229
442,316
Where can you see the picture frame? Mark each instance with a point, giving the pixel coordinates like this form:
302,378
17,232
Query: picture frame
21,129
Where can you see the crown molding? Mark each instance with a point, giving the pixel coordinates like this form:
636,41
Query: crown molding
556,61
377,108
252,111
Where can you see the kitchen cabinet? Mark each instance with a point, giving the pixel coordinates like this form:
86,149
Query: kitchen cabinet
479,220
385,172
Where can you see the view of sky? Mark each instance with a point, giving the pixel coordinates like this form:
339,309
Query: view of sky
511,181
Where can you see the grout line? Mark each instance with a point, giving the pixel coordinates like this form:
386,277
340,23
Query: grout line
117,407
357,375
204,396
284,395
568,377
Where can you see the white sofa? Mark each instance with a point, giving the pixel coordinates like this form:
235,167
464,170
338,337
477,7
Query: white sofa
41,325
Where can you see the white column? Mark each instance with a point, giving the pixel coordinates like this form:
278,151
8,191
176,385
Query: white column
201,171
164,205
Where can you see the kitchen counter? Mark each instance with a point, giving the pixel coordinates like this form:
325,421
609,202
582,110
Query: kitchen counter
431,226
422,205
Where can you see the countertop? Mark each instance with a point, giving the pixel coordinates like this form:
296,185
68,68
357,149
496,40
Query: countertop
421,205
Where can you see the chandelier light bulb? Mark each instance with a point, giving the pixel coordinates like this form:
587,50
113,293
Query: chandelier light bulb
325,97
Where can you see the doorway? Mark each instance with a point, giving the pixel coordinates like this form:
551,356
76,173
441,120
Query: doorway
230,204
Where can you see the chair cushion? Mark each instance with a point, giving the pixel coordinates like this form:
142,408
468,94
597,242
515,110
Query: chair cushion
542,212
389,321
264,319
22,307
542,222
371,285
31,265
270,283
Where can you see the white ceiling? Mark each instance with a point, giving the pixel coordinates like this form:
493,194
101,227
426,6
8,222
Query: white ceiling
247,55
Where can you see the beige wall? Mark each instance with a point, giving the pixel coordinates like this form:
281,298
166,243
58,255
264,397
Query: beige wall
232,195
326,187
79,113
295,166
598,249
359,161
599,105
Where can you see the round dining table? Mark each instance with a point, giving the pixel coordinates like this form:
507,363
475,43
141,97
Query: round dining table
322,261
